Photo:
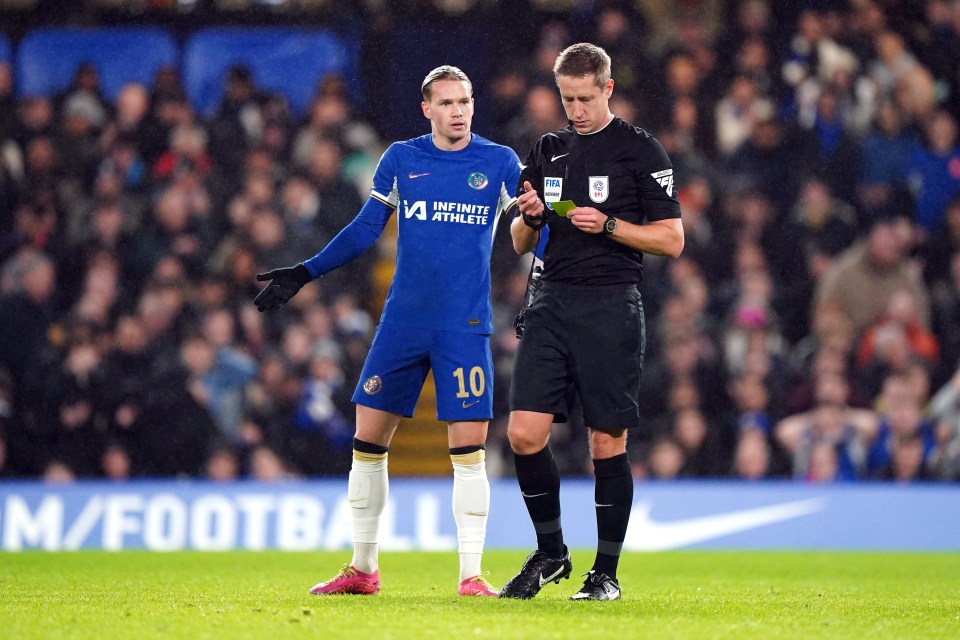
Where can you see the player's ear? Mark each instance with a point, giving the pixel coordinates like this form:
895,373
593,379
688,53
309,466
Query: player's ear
608,89
426,109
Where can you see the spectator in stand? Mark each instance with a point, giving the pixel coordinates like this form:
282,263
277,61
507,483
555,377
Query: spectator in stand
621,32
321,434
664,461
116,463
541,112
762,161
266,465
827,148
755,60
169,110
885,151
223,465
176,228
893,341
826,225
826,463
300,206
865,276
36,227
187,152
27,293
681,80
76,438
233,369
738,112
898,74
131,108
933,172
238,122
176,430
901,417
752,456
700,442
337,195
849,432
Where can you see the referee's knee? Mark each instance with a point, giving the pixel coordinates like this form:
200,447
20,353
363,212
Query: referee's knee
528,432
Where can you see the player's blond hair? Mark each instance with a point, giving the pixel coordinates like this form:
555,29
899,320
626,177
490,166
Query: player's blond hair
582,59
444,72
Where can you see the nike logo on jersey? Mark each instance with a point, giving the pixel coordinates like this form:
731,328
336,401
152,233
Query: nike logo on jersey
555,158
467,405
552,576
646,534
414,176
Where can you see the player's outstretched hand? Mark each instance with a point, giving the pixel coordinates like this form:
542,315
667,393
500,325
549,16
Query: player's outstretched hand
284,284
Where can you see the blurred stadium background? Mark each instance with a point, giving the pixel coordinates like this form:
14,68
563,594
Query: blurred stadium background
156,154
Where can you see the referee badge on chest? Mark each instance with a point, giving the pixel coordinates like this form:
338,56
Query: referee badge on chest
599,188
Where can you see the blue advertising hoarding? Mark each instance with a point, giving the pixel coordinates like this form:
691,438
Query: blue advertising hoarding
309,515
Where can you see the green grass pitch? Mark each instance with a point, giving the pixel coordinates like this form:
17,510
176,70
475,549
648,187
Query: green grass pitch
666,595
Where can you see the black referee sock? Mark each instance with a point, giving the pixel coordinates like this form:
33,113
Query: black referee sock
613,494
539,480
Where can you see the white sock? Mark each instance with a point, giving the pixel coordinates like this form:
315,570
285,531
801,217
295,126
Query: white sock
367,491
471,502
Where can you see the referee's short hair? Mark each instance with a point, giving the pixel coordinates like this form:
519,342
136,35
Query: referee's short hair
444,72
580,60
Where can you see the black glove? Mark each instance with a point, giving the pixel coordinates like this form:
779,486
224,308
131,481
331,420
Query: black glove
285,284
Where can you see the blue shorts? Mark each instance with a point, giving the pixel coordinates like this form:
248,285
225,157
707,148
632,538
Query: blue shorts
400,358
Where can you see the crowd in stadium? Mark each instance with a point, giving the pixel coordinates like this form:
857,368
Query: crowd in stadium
810,329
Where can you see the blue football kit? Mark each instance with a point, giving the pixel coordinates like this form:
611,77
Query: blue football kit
438,313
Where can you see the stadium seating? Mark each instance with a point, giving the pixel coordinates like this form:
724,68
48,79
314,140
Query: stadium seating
288,61
5,51
47,59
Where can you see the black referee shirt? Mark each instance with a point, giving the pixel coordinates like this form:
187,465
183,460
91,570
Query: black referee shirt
622,171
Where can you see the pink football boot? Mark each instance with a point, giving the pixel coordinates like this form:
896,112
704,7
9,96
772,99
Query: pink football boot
477,586
352,581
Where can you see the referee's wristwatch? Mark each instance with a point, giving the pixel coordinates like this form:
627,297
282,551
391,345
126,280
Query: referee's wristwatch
610,225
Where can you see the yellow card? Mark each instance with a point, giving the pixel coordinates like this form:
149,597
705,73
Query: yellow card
563,207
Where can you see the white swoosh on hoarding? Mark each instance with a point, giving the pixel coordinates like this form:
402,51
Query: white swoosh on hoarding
646,534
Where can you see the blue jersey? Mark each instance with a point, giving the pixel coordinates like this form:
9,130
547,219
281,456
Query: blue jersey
448,204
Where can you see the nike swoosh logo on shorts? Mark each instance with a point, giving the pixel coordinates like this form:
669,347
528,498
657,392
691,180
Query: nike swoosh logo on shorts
553,575
467,406
555,158
532,495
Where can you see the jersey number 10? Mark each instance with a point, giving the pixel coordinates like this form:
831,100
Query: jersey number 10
476,382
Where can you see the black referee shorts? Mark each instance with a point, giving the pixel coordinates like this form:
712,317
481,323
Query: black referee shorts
590,340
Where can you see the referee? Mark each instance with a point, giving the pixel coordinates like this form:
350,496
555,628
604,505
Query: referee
585,328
